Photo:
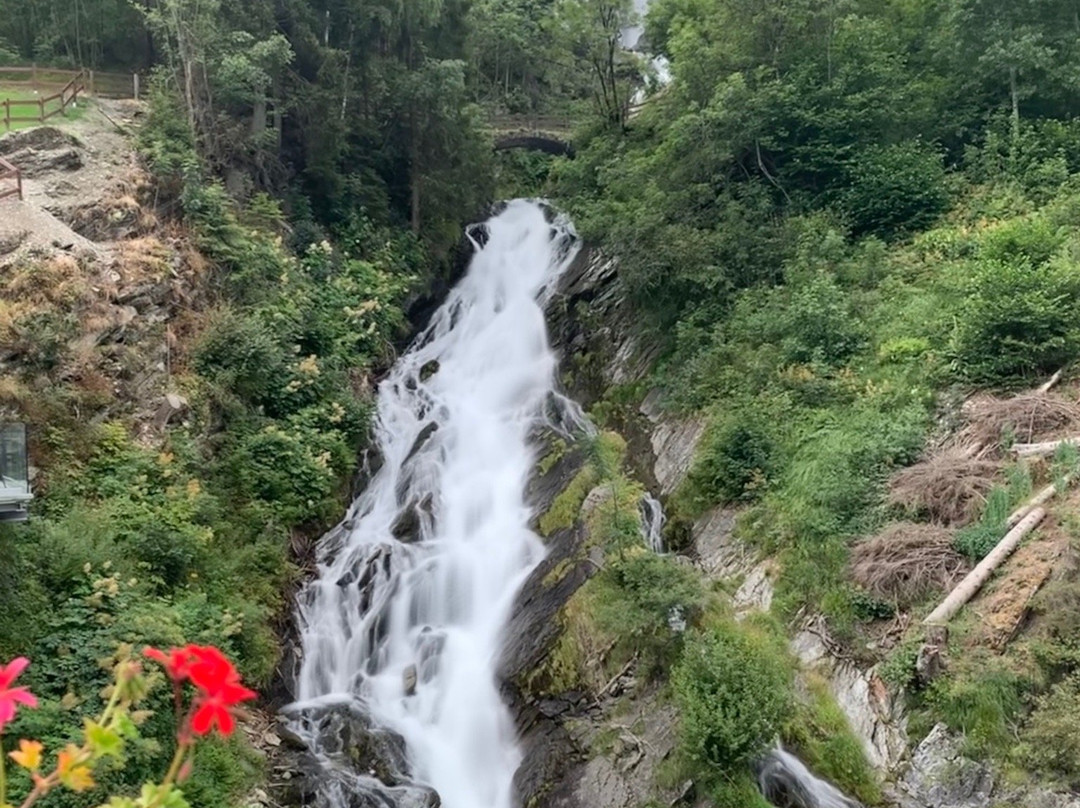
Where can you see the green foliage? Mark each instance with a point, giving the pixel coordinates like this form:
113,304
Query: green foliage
895,189
986,706
976,540
1050,741
818,730
638,598
733,694
735,460
1016,319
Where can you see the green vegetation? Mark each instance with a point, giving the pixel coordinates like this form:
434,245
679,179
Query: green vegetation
834,213
732,695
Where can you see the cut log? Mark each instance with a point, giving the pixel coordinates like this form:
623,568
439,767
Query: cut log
973,581
1045,387
1044,448
1043,496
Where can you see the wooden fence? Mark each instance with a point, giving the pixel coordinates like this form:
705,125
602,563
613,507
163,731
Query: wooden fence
10,180
44,106
97,83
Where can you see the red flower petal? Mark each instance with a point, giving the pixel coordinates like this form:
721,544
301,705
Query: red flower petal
9,672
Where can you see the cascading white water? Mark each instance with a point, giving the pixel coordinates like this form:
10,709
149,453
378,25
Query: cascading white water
652,522
405,616
784,780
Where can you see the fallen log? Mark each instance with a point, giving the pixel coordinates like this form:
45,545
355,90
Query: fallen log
973,581
1045,386
1044,448
1043,496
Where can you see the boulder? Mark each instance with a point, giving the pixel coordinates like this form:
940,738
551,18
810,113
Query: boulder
941,777
172,406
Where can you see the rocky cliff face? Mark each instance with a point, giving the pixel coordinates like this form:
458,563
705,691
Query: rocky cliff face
589,750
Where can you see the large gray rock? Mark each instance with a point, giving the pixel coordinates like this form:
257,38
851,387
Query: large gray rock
941,777
875,718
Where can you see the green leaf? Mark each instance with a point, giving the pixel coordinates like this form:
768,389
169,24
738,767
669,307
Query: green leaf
103,741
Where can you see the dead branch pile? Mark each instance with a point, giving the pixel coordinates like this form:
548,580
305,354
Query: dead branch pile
907,561
948,489
1025,418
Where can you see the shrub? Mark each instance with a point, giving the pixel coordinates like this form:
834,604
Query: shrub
1016,319
1034,239
735,460
1051,740
732,695
643,598
817,325
895,189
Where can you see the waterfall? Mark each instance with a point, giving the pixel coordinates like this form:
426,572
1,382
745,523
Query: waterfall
403,621
785,782
652,522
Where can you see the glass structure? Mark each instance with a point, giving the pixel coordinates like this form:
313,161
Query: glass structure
14,473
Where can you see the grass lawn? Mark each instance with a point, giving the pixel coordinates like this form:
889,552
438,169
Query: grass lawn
24,104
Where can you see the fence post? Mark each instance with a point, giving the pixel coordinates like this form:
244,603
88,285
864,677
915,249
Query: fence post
135,84
7,115
41,109
91,89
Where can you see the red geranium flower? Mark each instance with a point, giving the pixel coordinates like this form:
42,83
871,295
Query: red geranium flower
216,708
177,661
10,696
210,669
216,679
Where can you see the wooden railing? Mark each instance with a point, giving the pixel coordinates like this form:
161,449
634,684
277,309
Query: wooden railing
97,83
9,174
551,124
67,96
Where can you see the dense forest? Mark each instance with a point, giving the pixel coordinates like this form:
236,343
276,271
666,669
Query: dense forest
833,218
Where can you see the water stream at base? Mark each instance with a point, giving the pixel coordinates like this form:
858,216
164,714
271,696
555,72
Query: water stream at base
403,621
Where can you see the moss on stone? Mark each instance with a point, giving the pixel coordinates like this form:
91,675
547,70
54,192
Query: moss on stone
558,572
556,451
565,508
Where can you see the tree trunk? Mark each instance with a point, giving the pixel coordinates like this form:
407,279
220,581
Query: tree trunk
1014,94
974,580
1045,448
414,159
1043,496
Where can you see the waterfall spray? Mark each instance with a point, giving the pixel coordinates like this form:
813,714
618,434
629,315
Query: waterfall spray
403,622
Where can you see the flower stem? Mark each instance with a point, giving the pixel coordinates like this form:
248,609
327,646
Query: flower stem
3,780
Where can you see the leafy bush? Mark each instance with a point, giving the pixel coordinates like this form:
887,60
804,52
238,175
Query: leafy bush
733,695
817,325
641,597
1050,741
1031,239
734,461
1016,319
895,189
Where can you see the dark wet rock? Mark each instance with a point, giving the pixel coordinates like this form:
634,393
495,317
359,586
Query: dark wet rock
407,526
346,736
549,752
429,369
542,489
418,444
533,628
